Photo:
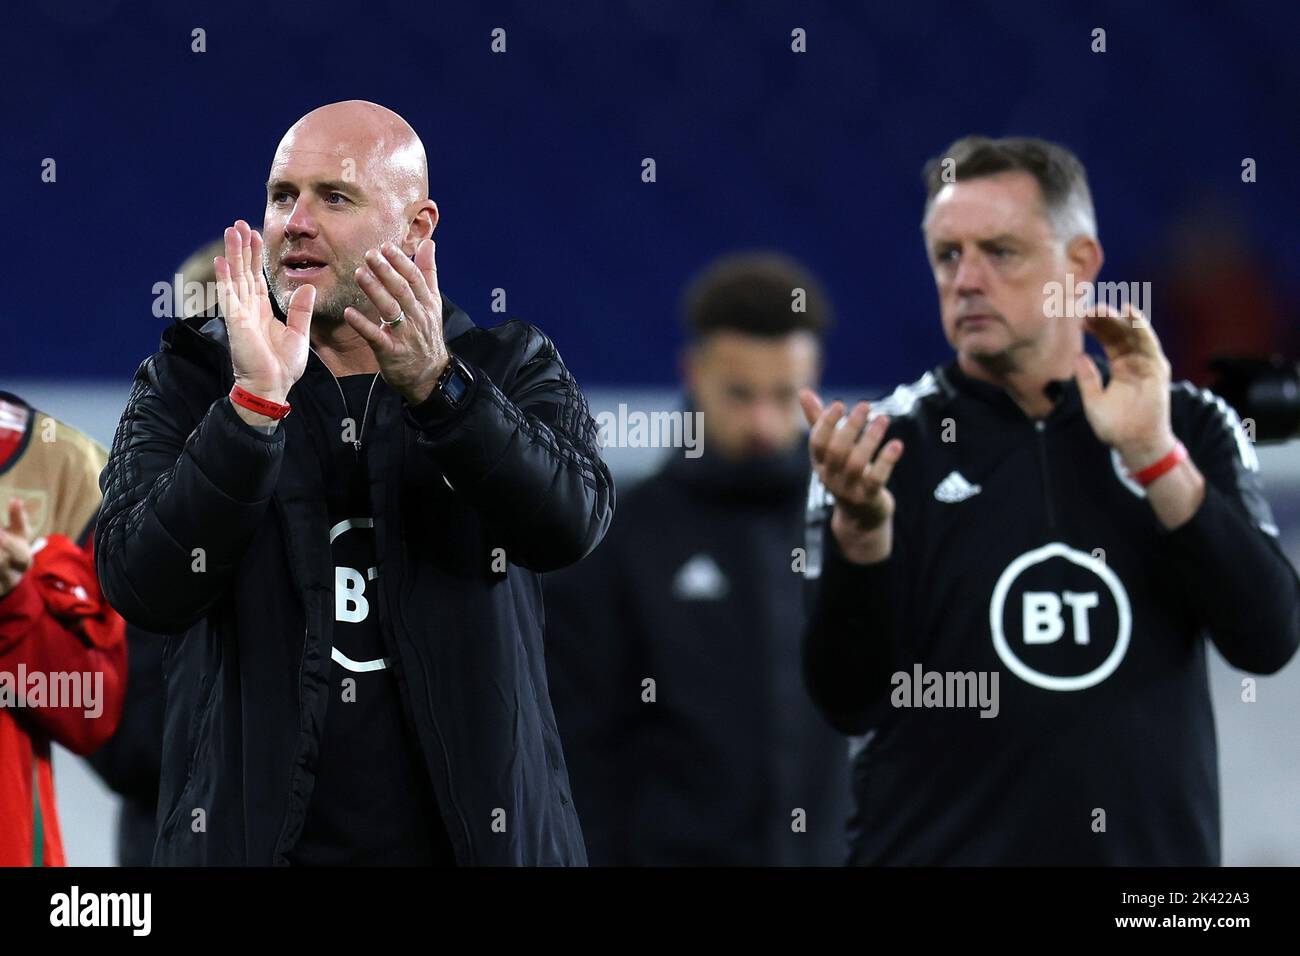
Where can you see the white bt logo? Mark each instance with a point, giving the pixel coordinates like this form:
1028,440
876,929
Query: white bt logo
1051,592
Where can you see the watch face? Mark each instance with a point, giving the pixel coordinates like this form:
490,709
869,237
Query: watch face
456,386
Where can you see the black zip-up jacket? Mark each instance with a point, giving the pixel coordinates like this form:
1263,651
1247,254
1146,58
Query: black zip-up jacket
695,587
1022,549
218,532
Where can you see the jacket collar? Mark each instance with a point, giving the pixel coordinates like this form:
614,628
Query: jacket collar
1063,393
770,480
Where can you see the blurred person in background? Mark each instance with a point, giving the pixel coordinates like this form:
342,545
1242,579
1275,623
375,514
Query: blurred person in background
63,655
697,588
131,761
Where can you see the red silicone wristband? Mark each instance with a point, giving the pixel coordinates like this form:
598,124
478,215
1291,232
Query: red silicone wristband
1166,464
263,406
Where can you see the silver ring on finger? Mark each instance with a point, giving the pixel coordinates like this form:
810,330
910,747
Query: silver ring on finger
389,323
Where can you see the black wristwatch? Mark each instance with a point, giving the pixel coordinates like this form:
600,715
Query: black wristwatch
454,383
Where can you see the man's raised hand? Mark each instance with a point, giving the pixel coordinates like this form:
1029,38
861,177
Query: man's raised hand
855,470
268,356
1131,412
412,353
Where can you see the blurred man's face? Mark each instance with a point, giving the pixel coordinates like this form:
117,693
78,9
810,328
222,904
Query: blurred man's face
319,222
747,388
992,249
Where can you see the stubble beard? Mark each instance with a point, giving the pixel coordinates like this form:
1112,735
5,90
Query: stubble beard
1000,363
329,308
1003,361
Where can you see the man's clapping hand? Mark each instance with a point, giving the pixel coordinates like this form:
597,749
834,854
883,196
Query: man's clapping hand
855,469
268,356
411,353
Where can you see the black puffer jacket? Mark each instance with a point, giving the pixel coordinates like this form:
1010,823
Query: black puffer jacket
517,468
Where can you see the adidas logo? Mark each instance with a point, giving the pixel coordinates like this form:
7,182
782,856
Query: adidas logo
700,579
955,488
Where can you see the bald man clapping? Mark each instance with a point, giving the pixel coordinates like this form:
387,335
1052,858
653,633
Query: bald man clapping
359,675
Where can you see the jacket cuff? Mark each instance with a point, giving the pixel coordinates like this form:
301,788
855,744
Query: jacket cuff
433,414
849,590
1205,534
253,431
243,461
1217,550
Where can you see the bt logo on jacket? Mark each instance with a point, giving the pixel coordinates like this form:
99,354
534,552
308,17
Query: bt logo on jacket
1060,618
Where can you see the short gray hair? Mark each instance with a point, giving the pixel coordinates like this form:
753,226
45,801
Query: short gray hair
1061,178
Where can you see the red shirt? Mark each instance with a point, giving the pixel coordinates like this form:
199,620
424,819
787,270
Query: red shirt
63,679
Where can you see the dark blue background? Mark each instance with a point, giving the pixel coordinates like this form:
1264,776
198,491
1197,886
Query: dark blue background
535,155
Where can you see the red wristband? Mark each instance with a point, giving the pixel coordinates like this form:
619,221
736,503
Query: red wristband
263,406
1166,464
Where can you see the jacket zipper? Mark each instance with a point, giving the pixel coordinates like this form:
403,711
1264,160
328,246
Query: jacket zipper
278,506
302,665
302,660
399,622
446,757
1040,429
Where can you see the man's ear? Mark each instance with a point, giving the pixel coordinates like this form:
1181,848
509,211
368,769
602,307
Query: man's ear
423,219
1085,256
